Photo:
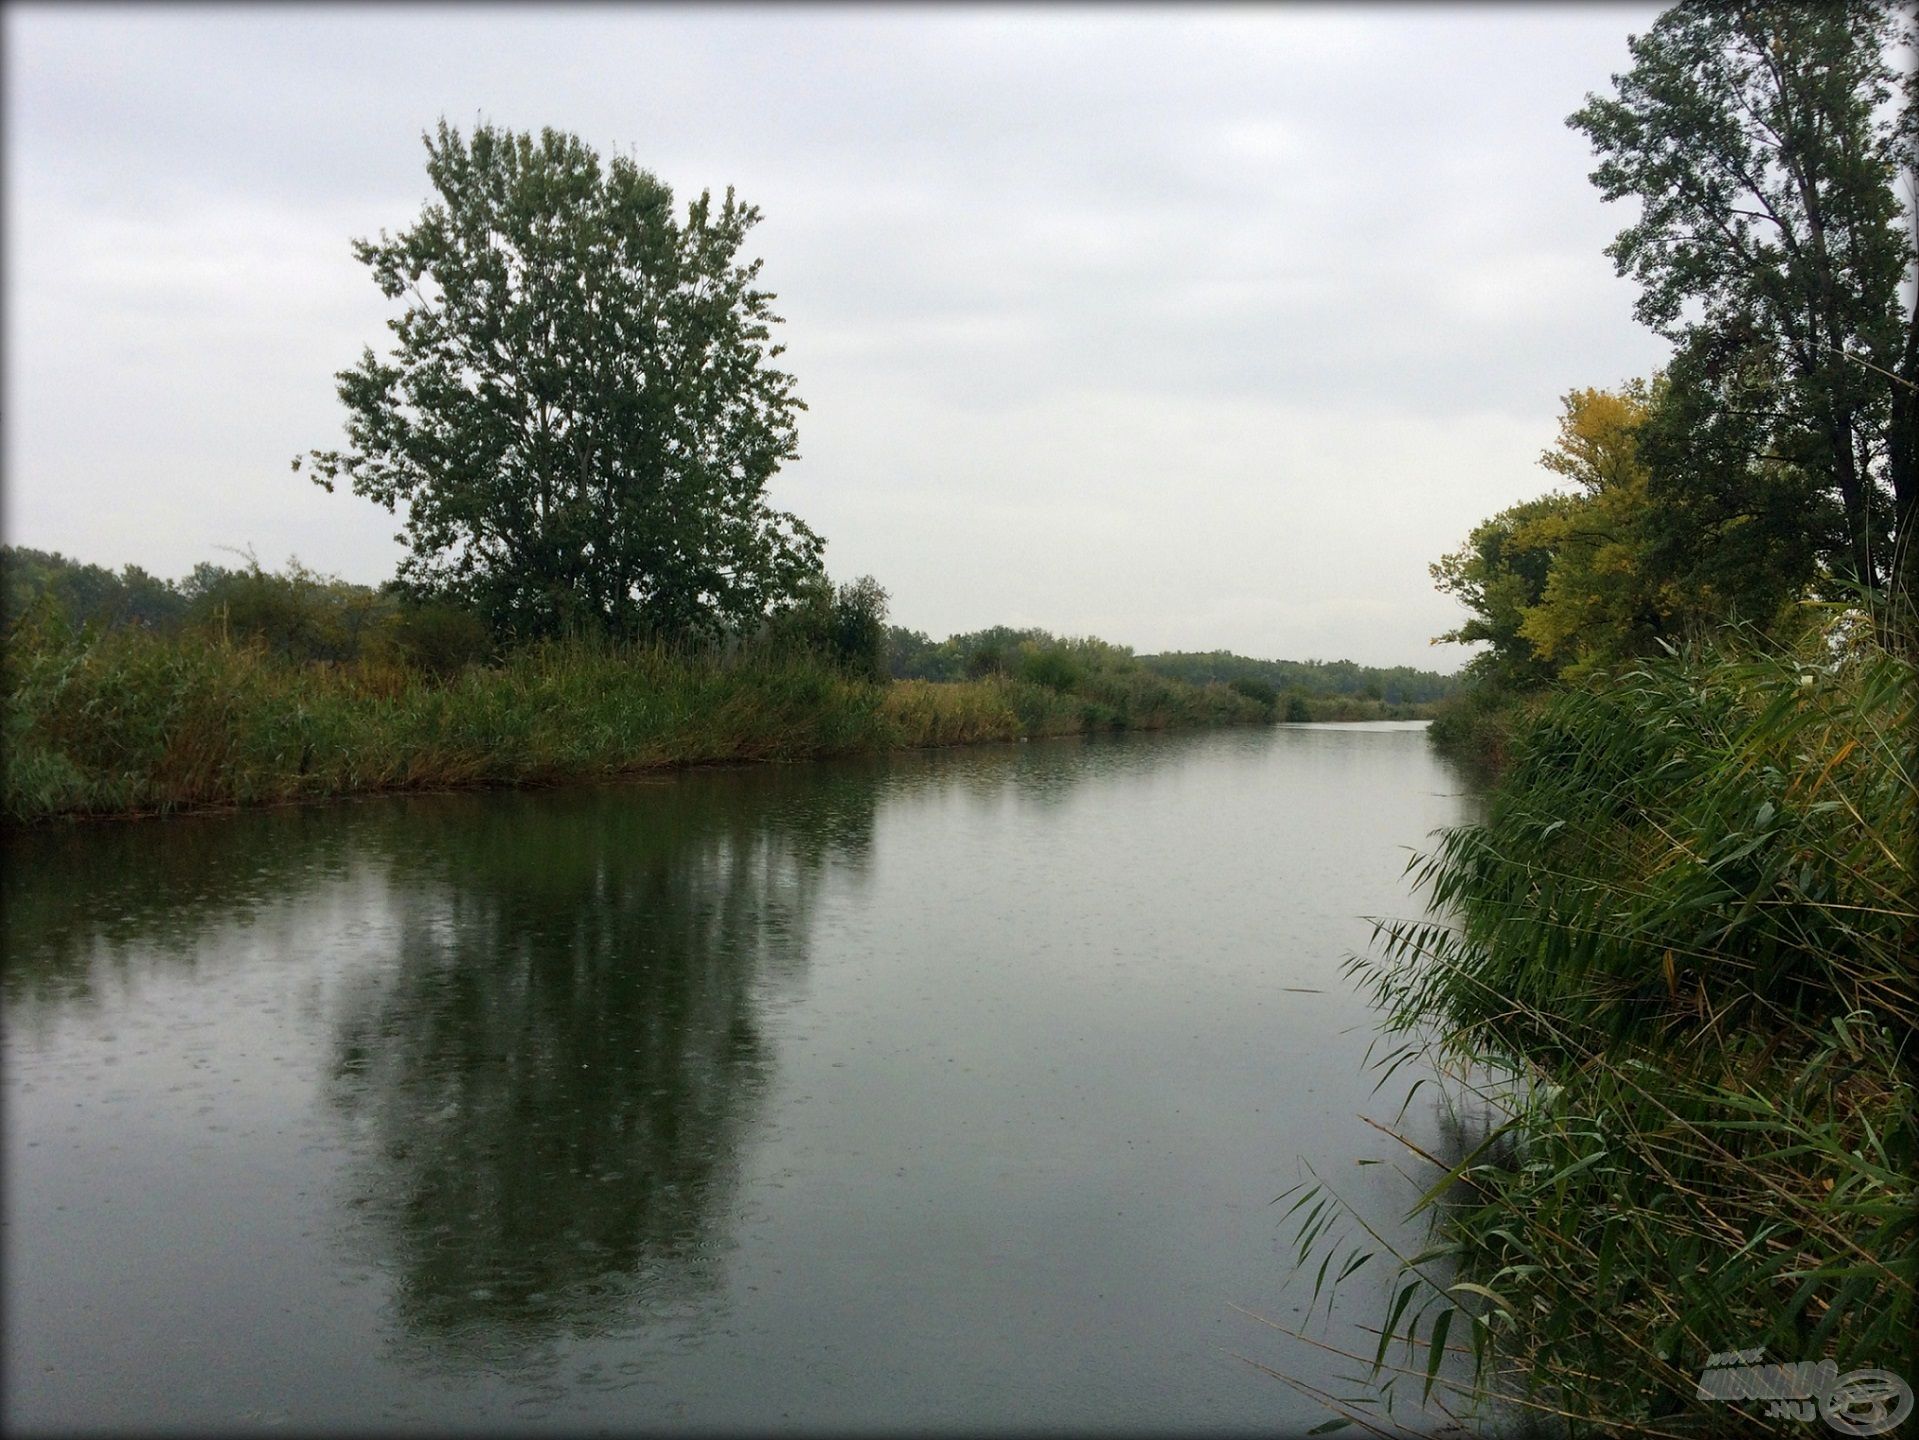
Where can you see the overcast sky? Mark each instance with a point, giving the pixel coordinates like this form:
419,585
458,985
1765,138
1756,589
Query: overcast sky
1189,329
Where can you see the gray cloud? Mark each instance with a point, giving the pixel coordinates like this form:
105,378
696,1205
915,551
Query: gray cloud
1188,328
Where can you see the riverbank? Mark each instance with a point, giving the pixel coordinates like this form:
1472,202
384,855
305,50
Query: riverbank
1684,933
134,723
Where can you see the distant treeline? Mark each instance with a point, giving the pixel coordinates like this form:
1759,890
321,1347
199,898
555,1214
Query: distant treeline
297,614
1393,685
1003,650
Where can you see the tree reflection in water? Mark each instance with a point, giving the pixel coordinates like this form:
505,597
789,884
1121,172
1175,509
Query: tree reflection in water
549,1082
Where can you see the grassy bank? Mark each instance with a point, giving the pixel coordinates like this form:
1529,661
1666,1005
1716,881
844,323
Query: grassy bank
1683,942
130,721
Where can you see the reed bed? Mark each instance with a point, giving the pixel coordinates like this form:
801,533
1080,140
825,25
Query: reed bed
131,721
1670,1005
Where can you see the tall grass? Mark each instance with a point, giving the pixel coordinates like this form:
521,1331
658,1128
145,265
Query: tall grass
130,721
1674,994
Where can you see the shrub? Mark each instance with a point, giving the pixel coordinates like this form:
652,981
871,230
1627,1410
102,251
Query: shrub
986,660
1258,691
845,627
859,635
1050,668
439,638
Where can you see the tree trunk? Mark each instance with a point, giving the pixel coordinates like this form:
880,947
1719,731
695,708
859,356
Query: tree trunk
1852,491
1902,439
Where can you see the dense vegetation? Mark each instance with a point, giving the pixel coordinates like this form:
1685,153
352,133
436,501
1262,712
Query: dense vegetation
1676,1002
1396,685
129,694
1670,996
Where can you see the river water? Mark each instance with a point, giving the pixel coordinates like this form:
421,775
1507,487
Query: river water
941,1091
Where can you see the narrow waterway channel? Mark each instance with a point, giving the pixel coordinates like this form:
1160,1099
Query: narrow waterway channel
942,1090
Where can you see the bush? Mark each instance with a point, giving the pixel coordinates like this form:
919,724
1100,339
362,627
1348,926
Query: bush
1050,668
48,582
1477,724
859,635
279,686
1258,691
298,614
846,627
986,660
439,638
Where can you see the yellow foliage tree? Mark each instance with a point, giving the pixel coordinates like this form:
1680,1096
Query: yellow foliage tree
1601,600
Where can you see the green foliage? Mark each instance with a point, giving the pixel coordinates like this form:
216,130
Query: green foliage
1603,599
1672,971
988,659
859,628
1260,692
1050,667
264,708
931,712
1500,574
1109,687
845,627
1673,982
438,638
1770,247
1120,690
581,412
912,655
1392,685
1772,460
134,722
297,613
84,594
1476,725
1633,559
1711,842
1735,513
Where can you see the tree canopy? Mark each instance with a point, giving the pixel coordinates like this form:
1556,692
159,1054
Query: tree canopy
1771,459
1500,575
1572,582
581,410
1765,144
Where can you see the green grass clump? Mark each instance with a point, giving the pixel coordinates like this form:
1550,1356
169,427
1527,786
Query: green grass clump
1675,984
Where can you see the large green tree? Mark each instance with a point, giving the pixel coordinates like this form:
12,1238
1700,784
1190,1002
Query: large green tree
1765,144
581,410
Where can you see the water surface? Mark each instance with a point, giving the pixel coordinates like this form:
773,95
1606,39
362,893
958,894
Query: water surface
943,1090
